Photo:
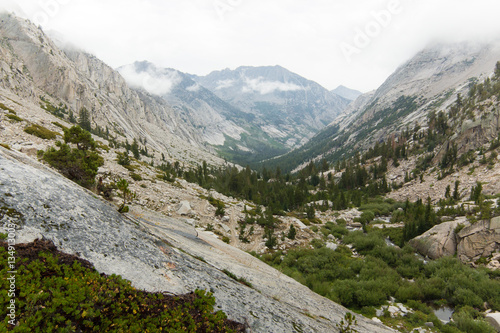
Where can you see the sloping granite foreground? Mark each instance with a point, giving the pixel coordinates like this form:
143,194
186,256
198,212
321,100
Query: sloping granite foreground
158,253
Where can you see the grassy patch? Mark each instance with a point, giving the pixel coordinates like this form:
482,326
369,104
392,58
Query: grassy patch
13,117
6,108
41,132
239,279
136,176
61,126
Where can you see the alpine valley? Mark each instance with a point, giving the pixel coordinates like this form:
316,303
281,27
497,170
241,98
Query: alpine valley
249,200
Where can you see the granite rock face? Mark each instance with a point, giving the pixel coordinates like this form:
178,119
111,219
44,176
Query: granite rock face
33,67
494,320
439,241
479,240
158,253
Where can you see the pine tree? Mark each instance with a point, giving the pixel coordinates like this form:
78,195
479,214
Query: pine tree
292,232
135,149
84,119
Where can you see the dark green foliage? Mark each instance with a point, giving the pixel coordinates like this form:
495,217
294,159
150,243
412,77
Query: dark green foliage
239,279
84,120
78,164
59,292
291,232
135,176
417,217
82,138
383,272
14,117
58,111
219,206
475,193
6,108
41,132
71,117
122,186
271,241
449,158
347,324
123,158
135,149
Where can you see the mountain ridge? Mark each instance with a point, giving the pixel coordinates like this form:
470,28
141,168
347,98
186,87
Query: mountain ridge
247,112
430,81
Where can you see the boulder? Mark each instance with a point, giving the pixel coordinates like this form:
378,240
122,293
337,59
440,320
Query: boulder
439,241
478,240
331,245
226,228
183,208
494,320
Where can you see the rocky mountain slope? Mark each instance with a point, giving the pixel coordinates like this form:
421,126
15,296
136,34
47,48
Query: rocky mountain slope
287,108
211,116
347,93
34,68
249,114
158,253
429,82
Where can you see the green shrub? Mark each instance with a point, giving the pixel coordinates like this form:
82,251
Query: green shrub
41,132
14,117
123,158
135,176
337,230
59,292
239,279
6,108
466,322
78,164
61,126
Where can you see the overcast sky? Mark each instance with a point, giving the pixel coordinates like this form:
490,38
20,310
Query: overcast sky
356,43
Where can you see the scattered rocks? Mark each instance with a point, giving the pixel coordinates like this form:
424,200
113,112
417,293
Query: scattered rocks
394,309
145,248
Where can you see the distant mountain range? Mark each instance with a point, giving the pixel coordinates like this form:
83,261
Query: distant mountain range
429,82
247,114
347,93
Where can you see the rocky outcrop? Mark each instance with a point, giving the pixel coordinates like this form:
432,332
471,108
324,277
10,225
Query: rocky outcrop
472,242
479,240
494,320
158,253
439,241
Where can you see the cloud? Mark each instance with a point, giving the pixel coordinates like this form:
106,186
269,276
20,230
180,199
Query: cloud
194,87
222,84
150,80
303,36
267,87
